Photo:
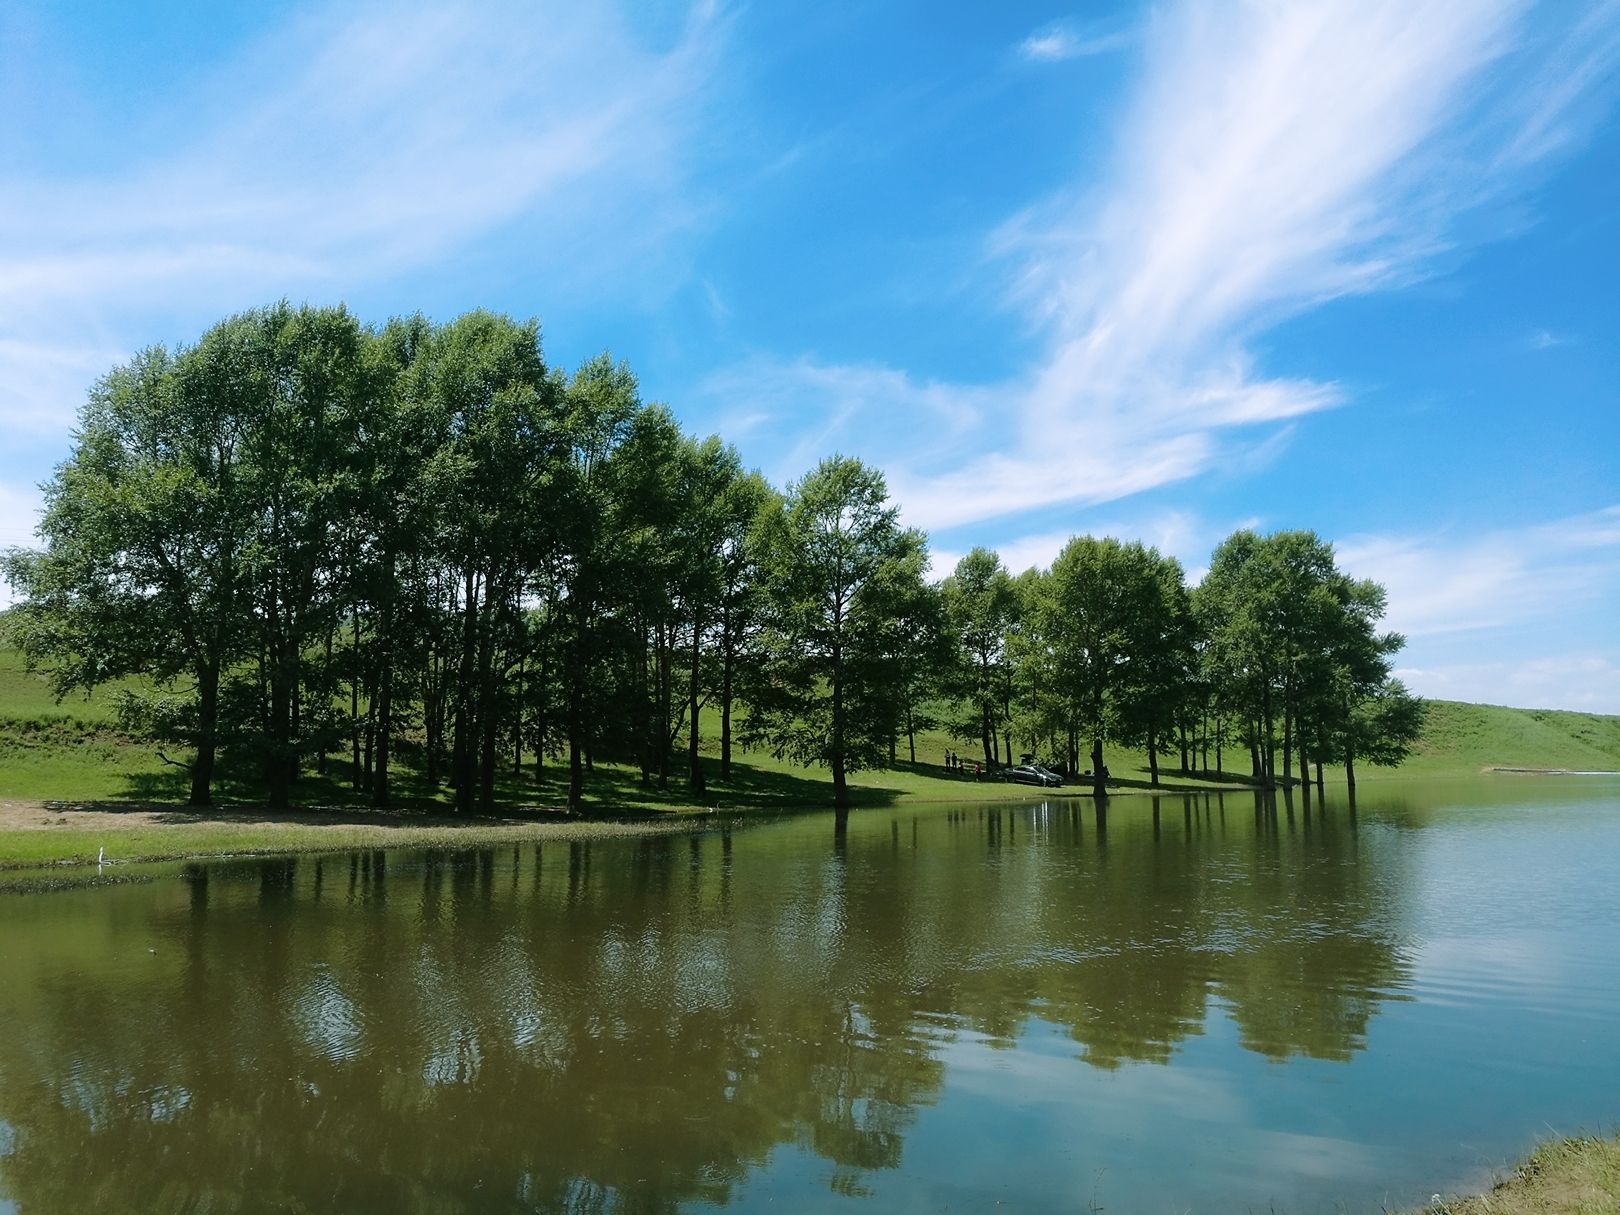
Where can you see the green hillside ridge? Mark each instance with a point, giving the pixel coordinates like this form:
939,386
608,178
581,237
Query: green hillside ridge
73,751
1459,737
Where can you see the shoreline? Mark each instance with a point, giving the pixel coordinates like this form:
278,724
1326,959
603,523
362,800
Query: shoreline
37,834
43,832
1574,1175
1551,772
57,832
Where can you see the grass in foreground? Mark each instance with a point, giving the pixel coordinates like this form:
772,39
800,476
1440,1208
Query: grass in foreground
1579,1176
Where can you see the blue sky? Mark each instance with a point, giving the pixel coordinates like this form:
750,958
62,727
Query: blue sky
1153,270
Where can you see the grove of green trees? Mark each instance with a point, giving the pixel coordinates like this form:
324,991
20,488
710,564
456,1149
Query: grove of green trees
316,541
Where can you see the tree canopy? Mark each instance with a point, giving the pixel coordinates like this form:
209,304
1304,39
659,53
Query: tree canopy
317,540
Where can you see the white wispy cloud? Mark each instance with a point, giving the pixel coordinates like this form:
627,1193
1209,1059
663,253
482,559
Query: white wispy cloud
20,508
1539,600
1068,40
1568,91
1265,166
352,145
1581,680
1546,339
1513,576
1273,157
1183,534
846,400
40,377
1542,596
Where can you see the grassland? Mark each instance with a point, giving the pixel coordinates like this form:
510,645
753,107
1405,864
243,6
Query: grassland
1579,1176
70,781
1461,738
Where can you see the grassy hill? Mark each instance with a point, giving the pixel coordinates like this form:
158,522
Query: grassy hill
1467,737
73,752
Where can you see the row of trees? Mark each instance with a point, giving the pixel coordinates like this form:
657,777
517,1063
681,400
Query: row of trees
1276,652
314,537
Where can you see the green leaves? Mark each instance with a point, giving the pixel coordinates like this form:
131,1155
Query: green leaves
304,531
839,573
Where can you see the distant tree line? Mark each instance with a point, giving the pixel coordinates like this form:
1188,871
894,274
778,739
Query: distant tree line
319,541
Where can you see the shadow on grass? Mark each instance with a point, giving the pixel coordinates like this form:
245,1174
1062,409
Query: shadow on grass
612,791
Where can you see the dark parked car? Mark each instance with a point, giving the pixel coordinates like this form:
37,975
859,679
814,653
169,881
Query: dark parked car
1031,774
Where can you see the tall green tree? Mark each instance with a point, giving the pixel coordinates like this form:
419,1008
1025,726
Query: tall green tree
1293,646
981,607
301,396
389,526
715,504
494,416
838,564
601,402
1159,676
145,526
1101,615
748,501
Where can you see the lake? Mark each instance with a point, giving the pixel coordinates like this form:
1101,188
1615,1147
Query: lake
1193,1004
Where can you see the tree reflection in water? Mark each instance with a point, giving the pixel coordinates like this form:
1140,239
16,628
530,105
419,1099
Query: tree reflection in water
633,1025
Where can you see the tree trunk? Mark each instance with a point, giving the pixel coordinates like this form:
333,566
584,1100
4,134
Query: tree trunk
1099,784
540,719
1153,758
489,717
517,721
461,760
840,784
666,679
202,768
1304,771
280,784
576,774
433,718
326,681
576,714
1268,747
371,738
725,705
1349,748
693,737
354,699
1288,737
380,793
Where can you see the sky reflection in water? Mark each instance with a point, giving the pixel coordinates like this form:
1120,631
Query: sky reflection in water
1208,1007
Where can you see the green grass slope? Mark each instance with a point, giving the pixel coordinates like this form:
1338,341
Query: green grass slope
1466,737
26,697
72,751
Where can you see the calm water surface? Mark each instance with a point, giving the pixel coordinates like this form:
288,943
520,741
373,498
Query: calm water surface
1203,1007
